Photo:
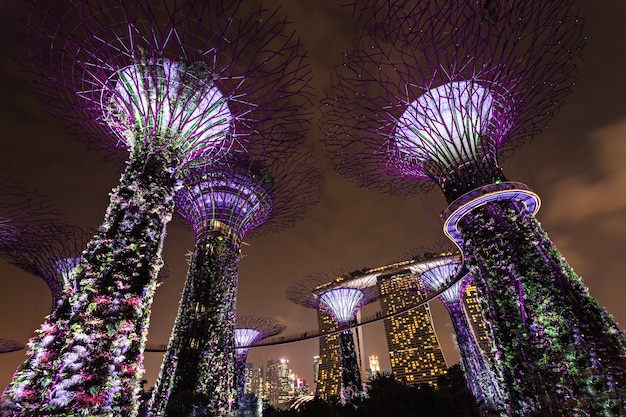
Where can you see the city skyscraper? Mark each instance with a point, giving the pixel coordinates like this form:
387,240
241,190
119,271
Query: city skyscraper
477,321
328,378
414,349
255,383
279,389
374,366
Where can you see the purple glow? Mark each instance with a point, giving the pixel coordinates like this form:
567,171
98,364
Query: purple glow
65,268
446,124
245,337
239,201
439,276
166,100
342,303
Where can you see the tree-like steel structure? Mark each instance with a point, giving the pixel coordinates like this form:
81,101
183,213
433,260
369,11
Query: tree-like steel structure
9,345
21,209
28,222
250,330
484,384
341,296
447,88
51,252
224,202
170,82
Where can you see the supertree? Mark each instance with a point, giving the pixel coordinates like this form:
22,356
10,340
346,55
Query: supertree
482,381
50,252
250,330
27,219
339,296
22,208
9,345
433,96
170,82
224,202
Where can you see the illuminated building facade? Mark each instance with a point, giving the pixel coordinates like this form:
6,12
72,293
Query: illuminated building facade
476,319
255,383
442,105
279,385
414,349
328,379
374,366
316,367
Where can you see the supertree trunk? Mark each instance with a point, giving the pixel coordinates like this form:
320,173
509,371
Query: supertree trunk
207,312
351,385
558,350
240,381
478,372
86,359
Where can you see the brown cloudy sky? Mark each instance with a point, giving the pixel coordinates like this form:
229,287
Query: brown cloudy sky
577,167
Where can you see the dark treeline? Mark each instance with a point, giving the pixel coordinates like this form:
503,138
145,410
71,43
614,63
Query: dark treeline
388,397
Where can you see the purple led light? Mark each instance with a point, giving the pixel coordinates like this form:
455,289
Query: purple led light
446,124
245,337
343,303
65,268
220,195
438,276
165,99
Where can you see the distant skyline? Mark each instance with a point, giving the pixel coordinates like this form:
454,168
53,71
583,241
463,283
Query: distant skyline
576,166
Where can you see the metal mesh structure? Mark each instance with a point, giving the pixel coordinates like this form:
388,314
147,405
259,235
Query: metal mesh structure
438,93
171,82
21,208
483,382
309,291
263,327
51,252
251,193
8,345
223,202
249,330
202,75
447,89
339,296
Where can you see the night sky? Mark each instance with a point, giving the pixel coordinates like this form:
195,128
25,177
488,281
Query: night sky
576,166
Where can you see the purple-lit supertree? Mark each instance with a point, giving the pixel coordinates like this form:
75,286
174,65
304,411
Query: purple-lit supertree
51,253
250,330
341,297
481,379
28,220
447,88
224,202
171,82
22,208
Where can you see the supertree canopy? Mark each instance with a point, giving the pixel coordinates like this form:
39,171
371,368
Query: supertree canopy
250,330
170,82
8,345
341,297
22,209
223,202
434,95
51,253
482,380
29,223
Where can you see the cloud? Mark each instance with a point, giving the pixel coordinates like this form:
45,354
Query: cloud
578,198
